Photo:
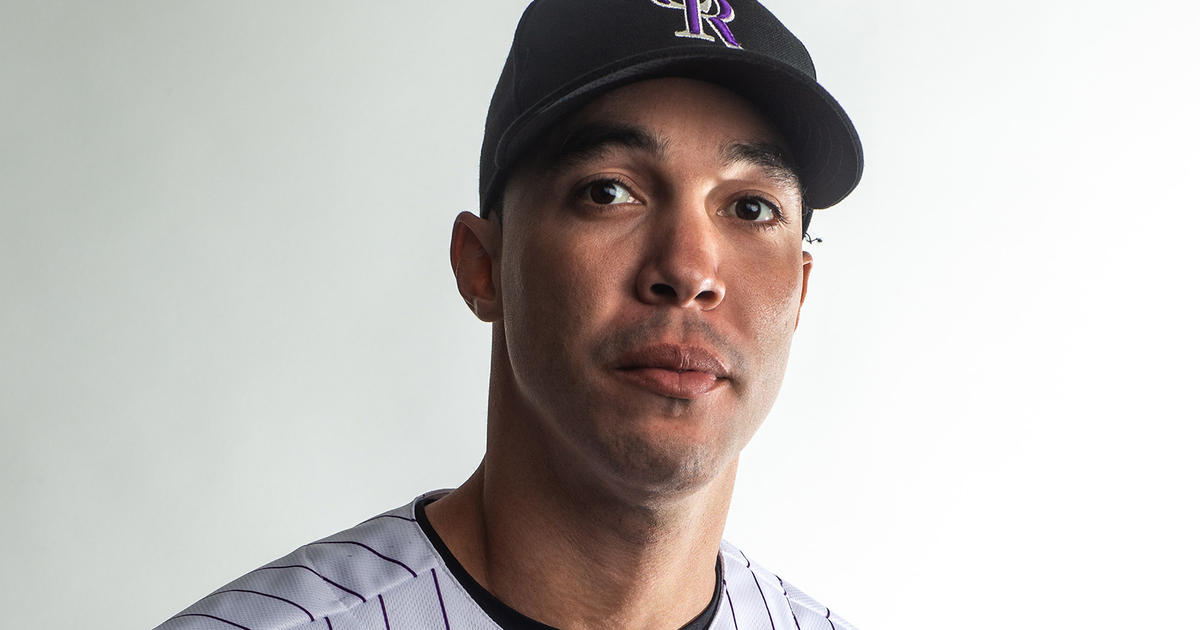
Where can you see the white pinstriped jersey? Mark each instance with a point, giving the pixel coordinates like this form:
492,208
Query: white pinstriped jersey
386,574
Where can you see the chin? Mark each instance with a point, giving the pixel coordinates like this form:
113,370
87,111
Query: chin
660,465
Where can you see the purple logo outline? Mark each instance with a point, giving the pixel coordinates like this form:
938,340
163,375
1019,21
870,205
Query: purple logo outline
715,13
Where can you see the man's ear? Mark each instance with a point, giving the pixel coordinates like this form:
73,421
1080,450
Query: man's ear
808,263
474,248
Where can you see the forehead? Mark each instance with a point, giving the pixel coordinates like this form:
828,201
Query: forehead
682,110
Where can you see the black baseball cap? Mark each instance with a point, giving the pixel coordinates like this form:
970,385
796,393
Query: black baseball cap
565,53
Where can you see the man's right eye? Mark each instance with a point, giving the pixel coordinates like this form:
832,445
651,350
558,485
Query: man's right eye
606,192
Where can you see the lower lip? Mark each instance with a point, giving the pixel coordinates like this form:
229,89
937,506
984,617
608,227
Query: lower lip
686,385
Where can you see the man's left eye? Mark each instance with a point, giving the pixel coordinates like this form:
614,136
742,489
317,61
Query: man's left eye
755,209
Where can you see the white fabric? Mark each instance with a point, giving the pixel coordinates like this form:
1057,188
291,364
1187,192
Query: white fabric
385,574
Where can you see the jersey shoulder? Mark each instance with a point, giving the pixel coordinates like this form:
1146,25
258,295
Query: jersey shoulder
344,576
758,598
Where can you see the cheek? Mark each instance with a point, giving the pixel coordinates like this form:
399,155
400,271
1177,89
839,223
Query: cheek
558,287
774,300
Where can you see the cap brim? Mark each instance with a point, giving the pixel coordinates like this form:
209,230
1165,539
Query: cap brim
824,144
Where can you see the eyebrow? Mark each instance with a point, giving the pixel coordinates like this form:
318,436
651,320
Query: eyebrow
592,140
768,157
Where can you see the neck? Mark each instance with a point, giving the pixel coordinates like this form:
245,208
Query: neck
571,550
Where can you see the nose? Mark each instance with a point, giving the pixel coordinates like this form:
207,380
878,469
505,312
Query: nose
682,266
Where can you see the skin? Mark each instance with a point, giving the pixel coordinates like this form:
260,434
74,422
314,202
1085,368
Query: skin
600,502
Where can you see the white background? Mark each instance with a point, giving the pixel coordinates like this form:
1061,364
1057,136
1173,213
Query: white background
228,327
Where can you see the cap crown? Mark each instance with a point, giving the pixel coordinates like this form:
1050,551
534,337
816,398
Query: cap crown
567,52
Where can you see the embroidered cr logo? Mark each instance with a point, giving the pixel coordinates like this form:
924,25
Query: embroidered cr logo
716,13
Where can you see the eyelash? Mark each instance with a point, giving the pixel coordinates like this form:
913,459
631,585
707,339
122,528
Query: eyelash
585,187
781,219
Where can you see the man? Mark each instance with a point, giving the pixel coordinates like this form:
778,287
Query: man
647,176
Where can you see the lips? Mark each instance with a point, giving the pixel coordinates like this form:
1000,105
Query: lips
674,371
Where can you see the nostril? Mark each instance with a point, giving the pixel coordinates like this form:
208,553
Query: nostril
662,290
706,296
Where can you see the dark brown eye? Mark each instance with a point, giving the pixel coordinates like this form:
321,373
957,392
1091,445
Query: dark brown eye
608,192
752,209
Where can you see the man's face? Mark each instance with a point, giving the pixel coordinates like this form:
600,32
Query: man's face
651,273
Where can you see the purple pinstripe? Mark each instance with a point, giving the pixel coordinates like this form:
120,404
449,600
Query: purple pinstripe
310,570
760,591
376,518
785,596
351,542
242,590
730,600
211,617
387,625
442,602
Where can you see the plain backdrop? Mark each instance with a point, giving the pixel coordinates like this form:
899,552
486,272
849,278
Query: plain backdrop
228,326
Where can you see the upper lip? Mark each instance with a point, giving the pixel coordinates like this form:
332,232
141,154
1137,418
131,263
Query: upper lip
668,356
